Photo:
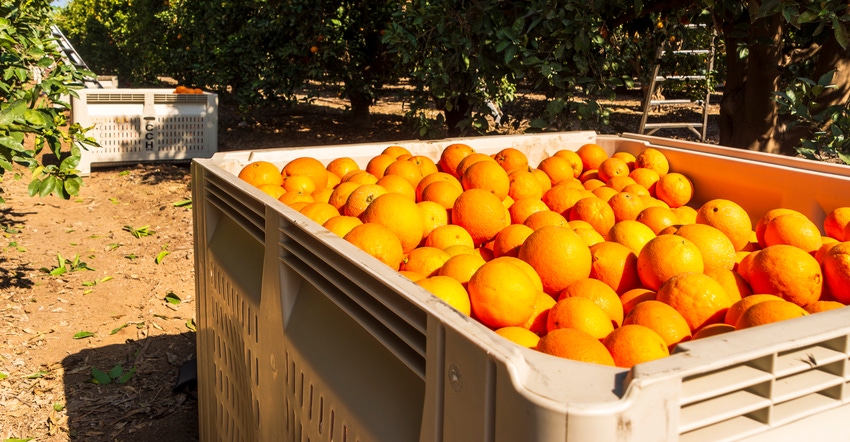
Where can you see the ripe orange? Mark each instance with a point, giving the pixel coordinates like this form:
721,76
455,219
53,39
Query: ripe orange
631,233
519,335
299,183
712,330
558,255
593,184
396,151
523,184
633,344
451,156
342,224
258,173
308,166
768,312
434,177
433,216
595,211
794,230
651,158
461,267
508,240
700,299
611,167
598,292
573,158
762,222
449,290
657,218
836,271
443,193
293,198
378,241
619,183
379,163
589,236
319,212
738,307
828,242
570,343
426,165
341,166
405,169
633,297
360,198
537,322
487,175
730,218
397,184
786,271
413,276
666,256
558,169
399,214
470,160
674,189
835,223
523,207
592,155
545,218
273,190
715,247
323,195
645,177
579,313
615,265
685,214
639,190
735,285
424,260
561,198
481,213
511,159
626,206
628,158
605,192
822,306
359,177
662,319
448,235
502,294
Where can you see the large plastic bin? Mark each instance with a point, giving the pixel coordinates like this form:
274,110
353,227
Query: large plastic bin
142,125
302,336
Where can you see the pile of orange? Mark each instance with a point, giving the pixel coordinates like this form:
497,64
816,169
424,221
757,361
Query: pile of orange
187,90
585,255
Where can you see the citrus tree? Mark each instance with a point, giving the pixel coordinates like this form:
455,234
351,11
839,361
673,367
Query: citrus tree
34,90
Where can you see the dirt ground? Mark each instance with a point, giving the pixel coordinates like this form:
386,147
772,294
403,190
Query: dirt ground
101,286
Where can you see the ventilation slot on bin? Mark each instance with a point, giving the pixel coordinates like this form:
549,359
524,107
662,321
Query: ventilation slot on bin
246,212
764,393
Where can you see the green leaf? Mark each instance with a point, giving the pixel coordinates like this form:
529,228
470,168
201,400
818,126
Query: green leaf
37,375
118,329
3,375
183,203
83,335
116,371
172,298
161,255
57,406
190,324
126,376
99,377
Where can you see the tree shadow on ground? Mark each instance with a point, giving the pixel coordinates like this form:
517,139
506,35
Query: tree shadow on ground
141,406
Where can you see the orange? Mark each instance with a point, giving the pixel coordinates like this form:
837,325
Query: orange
424,260
523,184
637,189
653,202
619,183
487,175
593,184
378,241
588,175
744,259
397,184
537,322
633,297
502,294
360,198
580,224
405,169
835,222
626,206
434,177
730,218
433,216
625,156
715,247
634,344
685,214
651,158
662,319
340,194
273,190
795,230
615,265
595,211
469,160
786,271
558,255
738,307
461,267
828,242
734,284
768,312
611,167
545,218
523,207
543,179
451,156
592,155
323,194
378,164
648,178
460,250
573,158
657,218
511,159
579,313
519,335
762,222
700,299
341,166
449,290
822,306
712,330
308,166
396,151
589,236
598,292
570,343
291,198
630,233
481,213
443,193
561,198
509,239
299,183
398,213
666,256
558,169
425,165
342,224
360,177
526,267
674,189
448,235
319,212
413,276
605,192
258,173
836,271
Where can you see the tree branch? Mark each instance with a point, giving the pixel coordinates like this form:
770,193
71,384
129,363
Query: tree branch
793,54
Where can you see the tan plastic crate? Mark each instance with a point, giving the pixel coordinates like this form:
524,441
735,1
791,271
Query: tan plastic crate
142,125
302,336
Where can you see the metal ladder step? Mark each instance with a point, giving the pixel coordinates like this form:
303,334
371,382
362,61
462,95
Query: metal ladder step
73,57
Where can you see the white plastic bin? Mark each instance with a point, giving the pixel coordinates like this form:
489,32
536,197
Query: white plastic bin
141,125
302,336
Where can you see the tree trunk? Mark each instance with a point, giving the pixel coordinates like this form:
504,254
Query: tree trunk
459,111
360,104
